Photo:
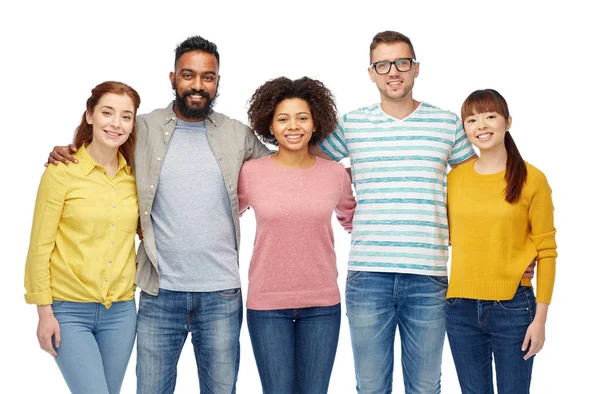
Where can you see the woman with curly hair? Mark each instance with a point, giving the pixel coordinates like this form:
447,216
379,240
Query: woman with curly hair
293,306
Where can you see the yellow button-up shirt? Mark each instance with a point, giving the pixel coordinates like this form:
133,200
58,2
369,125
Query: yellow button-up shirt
82,246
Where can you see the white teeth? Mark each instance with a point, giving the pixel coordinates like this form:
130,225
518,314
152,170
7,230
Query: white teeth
294,136
112,134
484,136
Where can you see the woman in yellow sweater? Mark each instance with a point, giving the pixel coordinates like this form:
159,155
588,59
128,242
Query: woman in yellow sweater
81,262
501,219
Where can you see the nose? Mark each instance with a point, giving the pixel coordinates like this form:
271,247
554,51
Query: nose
197,83
115,121
293,124
394,70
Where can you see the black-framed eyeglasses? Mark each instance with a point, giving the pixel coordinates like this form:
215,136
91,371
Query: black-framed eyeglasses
402,64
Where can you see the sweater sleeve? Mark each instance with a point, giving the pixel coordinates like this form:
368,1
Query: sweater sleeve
347,203
541,219
243,190
46,218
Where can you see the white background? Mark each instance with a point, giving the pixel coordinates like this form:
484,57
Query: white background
540,55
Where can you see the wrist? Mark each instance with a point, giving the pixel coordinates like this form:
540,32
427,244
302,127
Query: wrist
44,310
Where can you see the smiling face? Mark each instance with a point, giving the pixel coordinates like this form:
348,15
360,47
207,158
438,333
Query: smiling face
195,81
292,125
486,130
395,85
112,120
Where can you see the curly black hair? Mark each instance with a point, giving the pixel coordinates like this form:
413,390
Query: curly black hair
320,101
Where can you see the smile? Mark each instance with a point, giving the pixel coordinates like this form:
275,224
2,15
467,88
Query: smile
293,137
484,136
112,134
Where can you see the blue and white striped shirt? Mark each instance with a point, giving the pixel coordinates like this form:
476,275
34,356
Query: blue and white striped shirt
399,168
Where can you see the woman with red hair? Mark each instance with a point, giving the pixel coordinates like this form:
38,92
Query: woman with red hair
81,262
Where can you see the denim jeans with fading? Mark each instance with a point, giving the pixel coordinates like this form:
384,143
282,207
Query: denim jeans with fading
96,344
295,348
376,304
479,330
213,318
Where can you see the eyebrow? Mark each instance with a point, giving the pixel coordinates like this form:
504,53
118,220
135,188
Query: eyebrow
194,72
111,108
298,113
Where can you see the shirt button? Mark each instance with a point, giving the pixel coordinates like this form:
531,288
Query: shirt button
113,189
146,213
112,242
166,133
109,261
106,280
112,224
114,206
158,158
151,186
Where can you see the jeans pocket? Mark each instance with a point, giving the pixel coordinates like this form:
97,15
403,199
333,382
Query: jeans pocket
439,280
451,301
57,304
229,293
353,275
522,301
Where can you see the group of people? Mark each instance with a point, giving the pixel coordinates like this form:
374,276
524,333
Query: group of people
197,170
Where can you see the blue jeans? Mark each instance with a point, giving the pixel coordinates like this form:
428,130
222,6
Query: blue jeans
295,348
377,303
164,321
96,344
479,329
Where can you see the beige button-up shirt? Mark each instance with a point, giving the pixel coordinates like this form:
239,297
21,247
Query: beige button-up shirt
232,143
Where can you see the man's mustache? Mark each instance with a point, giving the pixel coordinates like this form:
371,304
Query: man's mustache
195,92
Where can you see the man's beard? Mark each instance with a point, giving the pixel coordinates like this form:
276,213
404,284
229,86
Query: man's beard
198,112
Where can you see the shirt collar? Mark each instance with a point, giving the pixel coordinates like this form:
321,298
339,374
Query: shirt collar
88,164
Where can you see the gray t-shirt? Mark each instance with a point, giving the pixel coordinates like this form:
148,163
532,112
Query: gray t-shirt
191,216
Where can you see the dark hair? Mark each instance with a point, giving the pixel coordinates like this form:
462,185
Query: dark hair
320,101
193,44
84,132
390,37
489,100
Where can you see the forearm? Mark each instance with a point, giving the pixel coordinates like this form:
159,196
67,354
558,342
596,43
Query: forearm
541,312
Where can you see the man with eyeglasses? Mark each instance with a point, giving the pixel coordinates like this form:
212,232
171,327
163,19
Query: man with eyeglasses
399,151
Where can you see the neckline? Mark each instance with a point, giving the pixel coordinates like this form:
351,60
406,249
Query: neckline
492,176
270,159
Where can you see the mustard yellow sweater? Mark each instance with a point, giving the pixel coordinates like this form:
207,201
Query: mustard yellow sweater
493,241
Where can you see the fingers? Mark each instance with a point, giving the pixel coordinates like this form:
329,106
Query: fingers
525,342
72,147
535,346
46,344
62,154
57,338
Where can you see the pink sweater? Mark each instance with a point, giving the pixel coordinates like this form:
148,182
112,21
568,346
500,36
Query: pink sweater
293,263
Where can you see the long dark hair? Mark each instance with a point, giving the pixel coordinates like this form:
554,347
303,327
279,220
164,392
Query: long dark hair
489,100
84,133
